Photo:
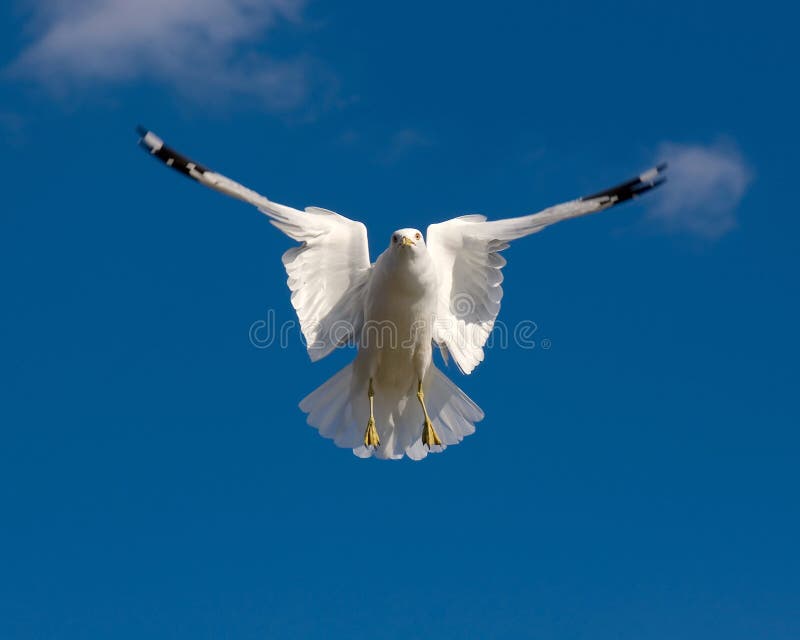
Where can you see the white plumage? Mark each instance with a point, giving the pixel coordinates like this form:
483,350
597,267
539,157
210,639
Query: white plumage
446,292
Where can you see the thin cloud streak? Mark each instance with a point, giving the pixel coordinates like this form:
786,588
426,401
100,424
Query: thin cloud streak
207,47
402,143
705,186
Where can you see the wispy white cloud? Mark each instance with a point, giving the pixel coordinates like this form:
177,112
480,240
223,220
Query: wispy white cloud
404,142
206,47
704,188
409,139
385,147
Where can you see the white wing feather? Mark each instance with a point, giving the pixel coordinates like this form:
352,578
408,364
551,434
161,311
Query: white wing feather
466,252
327,273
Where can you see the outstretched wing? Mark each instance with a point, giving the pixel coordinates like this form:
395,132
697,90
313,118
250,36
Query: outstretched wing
327,273
466,252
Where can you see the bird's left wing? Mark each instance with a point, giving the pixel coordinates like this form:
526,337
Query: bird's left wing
328,272
466,252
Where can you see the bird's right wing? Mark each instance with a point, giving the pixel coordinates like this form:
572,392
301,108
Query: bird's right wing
466,252
328,272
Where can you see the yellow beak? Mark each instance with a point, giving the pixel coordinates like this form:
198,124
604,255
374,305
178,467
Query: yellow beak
407,242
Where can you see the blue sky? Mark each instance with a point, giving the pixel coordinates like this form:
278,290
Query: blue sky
638,479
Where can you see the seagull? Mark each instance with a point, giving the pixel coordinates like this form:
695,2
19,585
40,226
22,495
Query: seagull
441,291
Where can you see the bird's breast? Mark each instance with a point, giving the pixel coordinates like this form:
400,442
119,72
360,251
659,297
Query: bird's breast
402,299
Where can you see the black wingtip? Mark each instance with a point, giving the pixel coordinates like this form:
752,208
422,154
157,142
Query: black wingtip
171,158
632,188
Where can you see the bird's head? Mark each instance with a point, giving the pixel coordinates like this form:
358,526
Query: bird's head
407,240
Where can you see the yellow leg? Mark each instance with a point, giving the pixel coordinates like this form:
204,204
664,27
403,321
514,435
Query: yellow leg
429,435
371,438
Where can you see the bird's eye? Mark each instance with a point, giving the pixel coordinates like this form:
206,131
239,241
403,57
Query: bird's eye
394,238
418,235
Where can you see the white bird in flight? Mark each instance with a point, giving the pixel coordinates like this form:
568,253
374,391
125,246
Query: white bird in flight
443,289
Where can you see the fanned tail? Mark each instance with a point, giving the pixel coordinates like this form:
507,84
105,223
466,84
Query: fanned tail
339,410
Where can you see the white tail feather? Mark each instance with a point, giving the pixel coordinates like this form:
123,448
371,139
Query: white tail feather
339,410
